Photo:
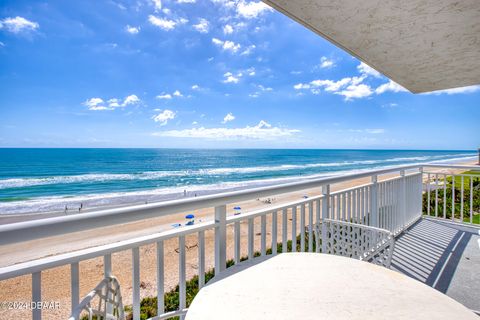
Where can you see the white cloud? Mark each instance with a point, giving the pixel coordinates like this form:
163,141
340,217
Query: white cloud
350,88
262,88
18,25
165,24
326,63
131,99
164,116
186,1
248,50
132,30
164,96
355,91
300,86
227,29
227,45
97,104
202,26
390,86
468,89
177,94
251,71
230,78
250,10
195,87
157,4
365,69
261,131
229,117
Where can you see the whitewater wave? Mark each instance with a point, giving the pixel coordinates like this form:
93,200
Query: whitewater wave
155,175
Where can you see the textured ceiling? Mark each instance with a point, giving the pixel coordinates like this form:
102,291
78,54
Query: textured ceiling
423,45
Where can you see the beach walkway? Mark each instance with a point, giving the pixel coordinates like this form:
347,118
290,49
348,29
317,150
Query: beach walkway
444,256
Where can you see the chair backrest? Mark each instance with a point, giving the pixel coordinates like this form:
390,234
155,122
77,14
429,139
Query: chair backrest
104,302
356,241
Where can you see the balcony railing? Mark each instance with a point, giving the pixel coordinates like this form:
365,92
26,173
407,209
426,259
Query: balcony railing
391,200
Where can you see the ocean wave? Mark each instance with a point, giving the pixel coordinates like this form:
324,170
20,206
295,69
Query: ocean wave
155,175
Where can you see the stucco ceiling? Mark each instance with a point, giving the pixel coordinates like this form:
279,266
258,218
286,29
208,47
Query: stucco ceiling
423,45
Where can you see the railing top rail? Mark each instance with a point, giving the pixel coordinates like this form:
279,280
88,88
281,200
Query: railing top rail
31,230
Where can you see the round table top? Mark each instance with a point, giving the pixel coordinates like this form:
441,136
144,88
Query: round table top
319,286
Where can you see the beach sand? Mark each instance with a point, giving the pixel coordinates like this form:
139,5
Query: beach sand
56,281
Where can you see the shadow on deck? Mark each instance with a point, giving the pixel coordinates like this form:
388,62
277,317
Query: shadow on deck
443,255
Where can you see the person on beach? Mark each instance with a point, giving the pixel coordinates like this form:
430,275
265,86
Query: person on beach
184,193
80,208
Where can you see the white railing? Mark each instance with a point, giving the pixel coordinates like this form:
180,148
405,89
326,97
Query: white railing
452,196
392,204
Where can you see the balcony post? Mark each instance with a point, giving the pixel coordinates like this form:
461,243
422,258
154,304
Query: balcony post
220,238
374,202
403,199
325,213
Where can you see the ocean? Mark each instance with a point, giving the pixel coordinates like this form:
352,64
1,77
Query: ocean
47,180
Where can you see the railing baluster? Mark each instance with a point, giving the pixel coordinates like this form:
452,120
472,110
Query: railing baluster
220,238
74,284
436,195
263,244
444,196
310,226
37,294
182,279
453,197
325,213
160,279
136,283
374,202
274,232
107,272
302,227
236,227
428,194
201,259
284,231
354,206
317,210
294,229
344,205
250,239
461,199
471,199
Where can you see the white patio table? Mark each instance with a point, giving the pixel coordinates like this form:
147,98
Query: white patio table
319,286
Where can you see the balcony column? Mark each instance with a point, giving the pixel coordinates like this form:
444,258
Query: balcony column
403,199
220,238
325,214
374,202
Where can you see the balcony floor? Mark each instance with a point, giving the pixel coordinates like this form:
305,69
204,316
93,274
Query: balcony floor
443,255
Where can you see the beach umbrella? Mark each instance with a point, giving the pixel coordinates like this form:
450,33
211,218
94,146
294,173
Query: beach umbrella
189,216
237,208
305,197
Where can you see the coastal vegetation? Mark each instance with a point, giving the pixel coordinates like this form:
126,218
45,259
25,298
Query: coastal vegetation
449,196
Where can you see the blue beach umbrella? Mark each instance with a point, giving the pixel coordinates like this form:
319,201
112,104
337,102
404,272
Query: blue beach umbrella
189,216
237,208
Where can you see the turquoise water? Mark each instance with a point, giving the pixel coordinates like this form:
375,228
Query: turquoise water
39,180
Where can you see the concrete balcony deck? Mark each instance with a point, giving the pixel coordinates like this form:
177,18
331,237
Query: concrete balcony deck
443,255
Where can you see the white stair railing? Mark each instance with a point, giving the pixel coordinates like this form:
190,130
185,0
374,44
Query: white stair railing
356,241
103,302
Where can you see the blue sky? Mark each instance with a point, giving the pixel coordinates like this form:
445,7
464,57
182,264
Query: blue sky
211,73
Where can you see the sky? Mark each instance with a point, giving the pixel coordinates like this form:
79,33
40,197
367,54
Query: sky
204,74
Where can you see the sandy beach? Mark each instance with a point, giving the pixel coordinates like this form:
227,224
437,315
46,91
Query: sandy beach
56,282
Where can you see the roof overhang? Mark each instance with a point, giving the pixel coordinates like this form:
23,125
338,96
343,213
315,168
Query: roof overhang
423,45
